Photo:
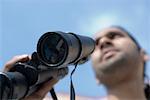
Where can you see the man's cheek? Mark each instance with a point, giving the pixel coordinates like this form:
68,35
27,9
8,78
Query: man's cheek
95,56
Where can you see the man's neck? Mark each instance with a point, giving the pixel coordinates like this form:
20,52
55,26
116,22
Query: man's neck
131,90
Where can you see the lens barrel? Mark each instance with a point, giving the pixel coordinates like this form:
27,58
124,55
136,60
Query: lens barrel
56,49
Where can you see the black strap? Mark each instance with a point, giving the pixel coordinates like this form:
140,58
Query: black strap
53,94
72,90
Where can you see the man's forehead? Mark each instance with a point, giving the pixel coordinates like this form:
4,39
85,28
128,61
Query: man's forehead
106,31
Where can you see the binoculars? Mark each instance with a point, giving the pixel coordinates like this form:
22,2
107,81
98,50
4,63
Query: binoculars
55,52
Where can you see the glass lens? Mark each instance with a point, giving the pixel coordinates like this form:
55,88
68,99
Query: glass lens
53,49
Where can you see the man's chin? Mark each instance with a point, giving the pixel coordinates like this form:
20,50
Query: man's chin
111,63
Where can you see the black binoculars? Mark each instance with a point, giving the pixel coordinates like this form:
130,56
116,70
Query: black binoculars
55,51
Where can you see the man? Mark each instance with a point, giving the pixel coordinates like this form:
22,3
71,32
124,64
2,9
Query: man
118,63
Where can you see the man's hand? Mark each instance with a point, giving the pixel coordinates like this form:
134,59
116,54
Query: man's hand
43,90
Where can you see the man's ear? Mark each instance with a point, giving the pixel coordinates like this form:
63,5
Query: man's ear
98,81
145,56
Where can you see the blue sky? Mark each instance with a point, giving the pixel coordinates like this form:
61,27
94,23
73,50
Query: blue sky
22,22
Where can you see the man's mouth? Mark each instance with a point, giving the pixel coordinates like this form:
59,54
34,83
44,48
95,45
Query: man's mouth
108,53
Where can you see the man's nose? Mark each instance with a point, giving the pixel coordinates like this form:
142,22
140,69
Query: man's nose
105,42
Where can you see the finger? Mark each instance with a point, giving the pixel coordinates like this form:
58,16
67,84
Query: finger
19,58
46,87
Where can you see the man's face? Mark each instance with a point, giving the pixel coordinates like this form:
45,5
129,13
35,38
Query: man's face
115,55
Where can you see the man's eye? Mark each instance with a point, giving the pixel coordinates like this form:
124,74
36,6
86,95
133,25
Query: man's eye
114,35
96,41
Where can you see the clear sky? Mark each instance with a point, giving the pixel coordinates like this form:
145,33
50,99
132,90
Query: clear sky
22,22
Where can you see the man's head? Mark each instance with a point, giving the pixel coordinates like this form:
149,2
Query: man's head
117,56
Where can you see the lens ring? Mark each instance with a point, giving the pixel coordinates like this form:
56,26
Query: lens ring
52,49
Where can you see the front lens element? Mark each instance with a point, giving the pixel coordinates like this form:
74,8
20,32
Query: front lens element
53,49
